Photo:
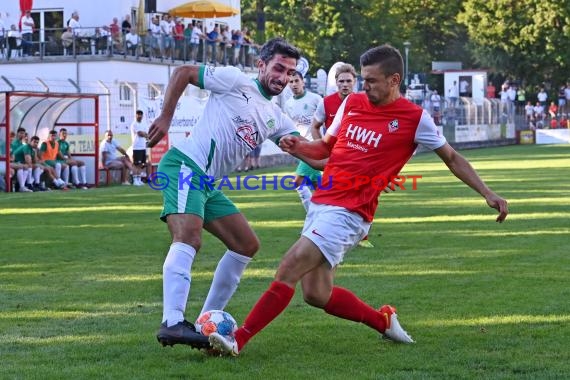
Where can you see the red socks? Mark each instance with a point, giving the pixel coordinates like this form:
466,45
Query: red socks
268,307
345,304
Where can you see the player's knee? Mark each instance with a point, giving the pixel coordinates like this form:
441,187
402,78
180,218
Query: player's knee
314,299
250,247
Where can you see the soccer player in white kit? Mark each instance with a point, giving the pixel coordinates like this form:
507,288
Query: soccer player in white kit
373,135
238,117
301,107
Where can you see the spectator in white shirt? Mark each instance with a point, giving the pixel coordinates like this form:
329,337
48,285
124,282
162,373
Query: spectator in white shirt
132,41
27,30
110,159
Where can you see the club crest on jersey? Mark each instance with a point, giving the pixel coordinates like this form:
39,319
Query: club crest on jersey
393,126
270,123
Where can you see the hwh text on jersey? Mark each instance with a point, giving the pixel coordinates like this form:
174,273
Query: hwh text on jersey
363,135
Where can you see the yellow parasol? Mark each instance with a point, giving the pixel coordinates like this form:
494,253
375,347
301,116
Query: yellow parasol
203,9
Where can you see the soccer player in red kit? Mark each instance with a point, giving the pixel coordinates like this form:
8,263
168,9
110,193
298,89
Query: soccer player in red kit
373,135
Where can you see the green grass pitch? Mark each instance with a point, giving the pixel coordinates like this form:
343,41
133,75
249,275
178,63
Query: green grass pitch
81,291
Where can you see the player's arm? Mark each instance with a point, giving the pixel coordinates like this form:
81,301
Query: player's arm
104,158
181,77
463,170
316,129
306,150
317,123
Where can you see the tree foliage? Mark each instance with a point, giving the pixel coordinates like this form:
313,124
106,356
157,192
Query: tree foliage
512,38
524,39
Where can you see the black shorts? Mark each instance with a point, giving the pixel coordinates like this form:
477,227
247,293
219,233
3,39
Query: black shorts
139,157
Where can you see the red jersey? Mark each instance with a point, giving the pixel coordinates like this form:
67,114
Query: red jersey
332,104
373,144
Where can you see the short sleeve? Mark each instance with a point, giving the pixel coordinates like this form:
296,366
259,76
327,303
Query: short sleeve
218,79
427,133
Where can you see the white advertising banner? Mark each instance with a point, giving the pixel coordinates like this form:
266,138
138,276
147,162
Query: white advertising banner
552,136
189,109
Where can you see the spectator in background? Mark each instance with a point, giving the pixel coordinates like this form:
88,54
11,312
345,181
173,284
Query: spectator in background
132,42
521,98
529,111
167,34
139,134
178,32
212,39
78,169
542,97
195,38
237,42
126,25
14,41
562,99
110,160
157,49
436,106
552,110
512,96
102,39
3,31
452,94
67,38
74,24
225,45
567,93
539,112
116,36
27,30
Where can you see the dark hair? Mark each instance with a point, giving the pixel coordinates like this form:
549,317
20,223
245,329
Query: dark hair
35,138
297,73
387,56
52,132
139,112
20,129
62,130
278,45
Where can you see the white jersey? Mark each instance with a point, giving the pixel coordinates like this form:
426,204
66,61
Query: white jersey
139,143
238,117
301,110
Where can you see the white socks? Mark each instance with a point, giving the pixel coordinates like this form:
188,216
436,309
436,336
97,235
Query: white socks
83,177
176,282
74,177
305,195
65,175
225,281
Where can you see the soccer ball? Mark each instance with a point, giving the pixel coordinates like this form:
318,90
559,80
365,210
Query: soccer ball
216,321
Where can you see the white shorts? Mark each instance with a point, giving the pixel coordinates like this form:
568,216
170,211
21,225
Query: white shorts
335,230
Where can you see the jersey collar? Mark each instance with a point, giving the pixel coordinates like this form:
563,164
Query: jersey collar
268,97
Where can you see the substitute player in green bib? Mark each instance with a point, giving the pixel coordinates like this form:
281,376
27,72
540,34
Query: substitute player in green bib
238,117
